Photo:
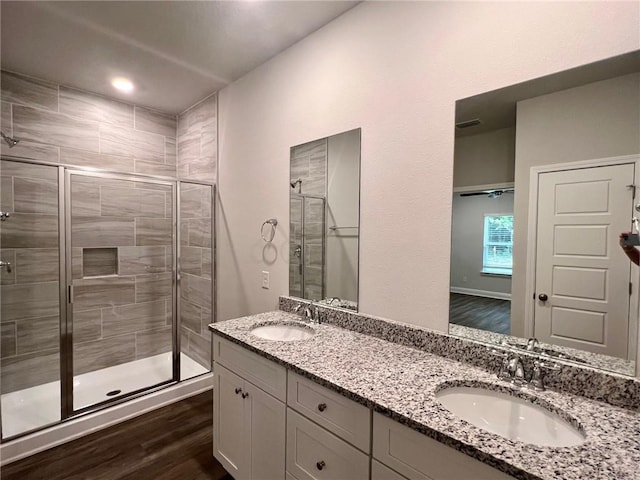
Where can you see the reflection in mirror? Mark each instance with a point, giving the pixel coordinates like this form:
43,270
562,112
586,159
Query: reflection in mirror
325,220
545,175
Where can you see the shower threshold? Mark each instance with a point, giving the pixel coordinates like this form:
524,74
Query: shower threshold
35,407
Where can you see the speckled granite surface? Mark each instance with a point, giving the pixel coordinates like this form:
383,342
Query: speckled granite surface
401,382
616,389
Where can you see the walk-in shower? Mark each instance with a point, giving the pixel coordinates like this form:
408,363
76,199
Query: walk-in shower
106,289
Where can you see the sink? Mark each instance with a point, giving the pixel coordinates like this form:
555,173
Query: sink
283,332
510,417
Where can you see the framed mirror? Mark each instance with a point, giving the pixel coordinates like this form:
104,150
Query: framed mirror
545,180
324,220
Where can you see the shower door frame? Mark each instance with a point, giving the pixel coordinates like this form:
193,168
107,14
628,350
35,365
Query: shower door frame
67,411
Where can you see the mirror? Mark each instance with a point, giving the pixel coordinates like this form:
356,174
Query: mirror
325,220
545,174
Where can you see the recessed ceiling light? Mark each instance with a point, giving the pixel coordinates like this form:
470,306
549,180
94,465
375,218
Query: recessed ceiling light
122,84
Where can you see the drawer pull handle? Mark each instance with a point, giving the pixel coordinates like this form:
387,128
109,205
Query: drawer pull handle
238,390
320,465
322,407
245,395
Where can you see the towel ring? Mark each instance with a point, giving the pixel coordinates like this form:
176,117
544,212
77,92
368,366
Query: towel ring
273,222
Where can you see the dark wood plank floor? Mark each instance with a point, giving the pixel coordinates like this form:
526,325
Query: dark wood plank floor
171,443
478,312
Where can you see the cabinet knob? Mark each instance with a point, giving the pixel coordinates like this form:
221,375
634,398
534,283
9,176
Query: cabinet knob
322,407
320,465
238,390
245,395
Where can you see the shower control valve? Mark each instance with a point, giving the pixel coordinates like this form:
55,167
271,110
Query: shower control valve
4,216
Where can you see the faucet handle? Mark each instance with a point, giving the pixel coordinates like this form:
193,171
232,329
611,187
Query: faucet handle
546,365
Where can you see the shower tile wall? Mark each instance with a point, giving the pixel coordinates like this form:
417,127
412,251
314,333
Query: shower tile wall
120,230
308,163
29,313
64,125
198,141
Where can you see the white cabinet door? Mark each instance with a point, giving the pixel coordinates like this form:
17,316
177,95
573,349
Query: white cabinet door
229,425
267,436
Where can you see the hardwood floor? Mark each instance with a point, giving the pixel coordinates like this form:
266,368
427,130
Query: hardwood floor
478,312
171,443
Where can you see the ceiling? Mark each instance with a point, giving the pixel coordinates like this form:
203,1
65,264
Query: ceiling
175,52
497,109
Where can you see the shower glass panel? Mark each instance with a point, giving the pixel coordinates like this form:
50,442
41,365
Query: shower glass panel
306,255
30,297
196,274
122,285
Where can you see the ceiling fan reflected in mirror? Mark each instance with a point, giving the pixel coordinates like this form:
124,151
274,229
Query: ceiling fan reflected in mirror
489,193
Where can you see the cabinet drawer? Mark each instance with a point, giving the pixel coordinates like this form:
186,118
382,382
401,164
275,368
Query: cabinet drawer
419,457
314,453
265,374
382,472
346,418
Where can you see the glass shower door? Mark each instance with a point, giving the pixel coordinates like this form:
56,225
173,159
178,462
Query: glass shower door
30,297
121,244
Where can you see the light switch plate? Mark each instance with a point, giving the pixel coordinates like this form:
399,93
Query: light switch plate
265,279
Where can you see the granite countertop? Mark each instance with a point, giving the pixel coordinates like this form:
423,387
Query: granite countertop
401,382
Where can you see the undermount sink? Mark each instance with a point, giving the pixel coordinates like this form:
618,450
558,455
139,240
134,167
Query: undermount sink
510,417
283,332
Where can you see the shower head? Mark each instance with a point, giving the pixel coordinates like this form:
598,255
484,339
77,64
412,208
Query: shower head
12,142
297,182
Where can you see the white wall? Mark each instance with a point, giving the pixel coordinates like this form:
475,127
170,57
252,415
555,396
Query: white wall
395,69
343,210
467,238
597,120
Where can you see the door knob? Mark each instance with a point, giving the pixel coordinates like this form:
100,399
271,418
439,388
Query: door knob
543,297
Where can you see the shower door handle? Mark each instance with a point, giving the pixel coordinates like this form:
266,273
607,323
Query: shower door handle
298,251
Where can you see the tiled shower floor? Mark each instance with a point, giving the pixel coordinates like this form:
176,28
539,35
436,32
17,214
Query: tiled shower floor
38,406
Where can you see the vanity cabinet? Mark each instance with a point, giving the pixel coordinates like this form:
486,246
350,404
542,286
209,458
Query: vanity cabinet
249,423
418,457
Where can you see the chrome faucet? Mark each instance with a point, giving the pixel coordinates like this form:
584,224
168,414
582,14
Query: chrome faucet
532,344
515,370
309,312
537,375
512,369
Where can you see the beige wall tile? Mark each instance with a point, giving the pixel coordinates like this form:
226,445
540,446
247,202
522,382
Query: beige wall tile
6,193
196,290
30,231
154,286
191,201
28,170
155,122
108,352
40,126
38,334
76,262
8,339
36,265
93,293
35,195
153,168
6,277
127,142
153,231
191,316
200,232
83,158
24,371
29,301
200,348
85,199
141,260
206,263
170,151
191,260
5,119
87,326
102,231
29,91
203,168
153,342
94,107
131,202
35,151
133,318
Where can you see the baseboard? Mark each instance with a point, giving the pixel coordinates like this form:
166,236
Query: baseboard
481,293
70,430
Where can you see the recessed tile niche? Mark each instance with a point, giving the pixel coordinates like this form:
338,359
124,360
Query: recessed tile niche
98,262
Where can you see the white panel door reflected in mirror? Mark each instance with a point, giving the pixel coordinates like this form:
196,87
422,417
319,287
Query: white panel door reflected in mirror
544,179
325,220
